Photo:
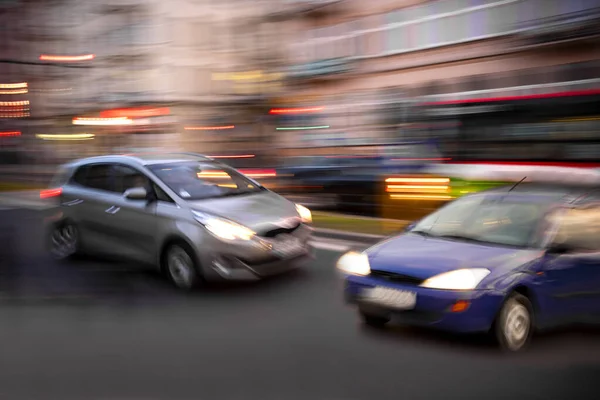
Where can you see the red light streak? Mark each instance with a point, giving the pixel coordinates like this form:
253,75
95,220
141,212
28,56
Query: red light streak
259,173
10,133
135,112
48,193
208,128
421,159
295,110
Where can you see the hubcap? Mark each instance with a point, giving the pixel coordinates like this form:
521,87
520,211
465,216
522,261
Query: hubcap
180,267
516,326
64,241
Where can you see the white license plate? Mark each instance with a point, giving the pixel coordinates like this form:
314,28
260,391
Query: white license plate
393,298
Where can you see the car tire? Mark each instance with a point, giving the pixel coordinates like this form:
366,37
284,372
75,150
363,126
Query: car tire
375,321
63,241
181,267
514,325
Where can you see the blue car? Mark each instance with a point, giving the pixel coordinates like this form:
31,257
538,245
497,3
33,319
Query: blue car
506,261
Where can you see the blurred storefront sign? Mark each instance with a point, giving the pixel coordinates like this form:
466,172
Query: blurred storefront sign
251,82
320,68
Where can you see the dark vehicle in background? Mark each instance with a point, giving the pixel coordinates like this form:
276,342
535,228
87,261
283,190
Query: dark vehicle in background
355,182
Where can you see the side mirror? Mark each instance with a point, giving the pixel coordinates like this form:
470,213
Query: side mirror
137,193
560,248
409,227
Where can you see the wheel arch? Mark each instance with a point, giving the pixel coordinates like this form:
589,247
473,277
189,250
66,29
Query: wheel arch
171,240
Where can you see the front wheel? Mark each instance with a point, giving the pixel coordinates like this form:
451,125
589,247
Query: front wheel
514,324
180,267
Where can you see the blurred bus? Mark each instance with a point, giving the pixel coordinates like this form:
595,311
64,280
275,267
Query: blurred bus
559,129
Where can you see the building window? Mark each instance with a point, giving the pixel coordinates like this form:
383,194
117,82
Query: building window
446,22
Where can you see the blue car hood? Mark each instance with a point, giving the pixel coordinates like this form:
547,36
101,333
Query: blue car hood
423,257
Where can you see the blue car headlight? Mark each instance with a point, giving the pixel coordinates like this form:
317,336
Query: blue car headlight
354,263
459,279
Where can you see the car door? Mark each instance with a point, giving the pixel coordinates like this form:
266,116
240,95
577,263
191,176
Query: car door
85,199
570,284
132,222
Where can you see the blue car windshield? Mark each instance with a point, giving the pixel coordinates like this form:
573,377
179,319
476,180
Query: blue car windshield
503,222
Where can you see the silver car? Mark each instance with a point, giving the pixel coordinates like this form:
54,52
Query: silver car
191,216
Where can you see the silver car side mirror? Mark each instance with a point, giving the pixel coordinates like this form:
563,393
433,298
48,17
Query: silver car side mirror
136,193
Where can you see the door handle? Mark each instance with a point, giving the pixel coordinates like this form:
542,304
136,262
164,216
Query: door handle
72,202
112,210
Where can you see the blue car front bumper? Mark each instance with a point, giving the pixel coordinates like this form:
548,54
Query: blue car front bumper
456,311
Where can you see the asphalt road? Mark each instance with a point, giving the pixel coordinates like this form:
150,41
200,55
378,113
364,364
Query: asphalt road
97,329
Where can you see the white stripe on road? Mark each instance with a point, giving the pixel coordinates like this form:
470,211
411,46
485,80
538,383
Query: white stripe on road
329,246
335,245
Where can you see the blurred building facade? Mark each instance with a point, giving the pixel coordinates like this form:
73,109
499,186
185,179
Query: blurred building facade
353,57
208,72
191,65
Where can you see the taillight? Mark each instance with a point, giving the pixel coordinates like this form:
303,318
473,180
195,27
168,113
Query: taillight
48,193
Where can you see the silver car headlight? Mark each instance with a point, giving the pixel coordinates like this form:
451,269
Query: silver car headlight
304,213
459,279
222,228
354,263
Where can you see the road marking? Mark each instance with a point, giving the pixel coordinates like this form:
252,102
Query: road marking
335,245
329,246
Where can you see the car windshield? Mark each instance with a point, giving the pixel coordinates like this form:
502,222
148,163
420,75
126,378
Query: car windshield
489,220
204,180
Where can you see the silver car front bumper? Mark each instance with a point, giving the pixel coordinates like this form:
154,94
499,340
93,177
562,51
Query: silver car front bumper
256,259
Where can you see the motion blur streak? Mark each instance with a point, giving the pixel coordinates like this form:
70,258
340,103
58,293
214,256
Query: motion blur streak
85,57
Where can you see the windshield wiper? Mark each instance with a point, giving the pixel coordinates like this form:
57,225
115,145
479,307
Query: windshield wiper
464,238
422,233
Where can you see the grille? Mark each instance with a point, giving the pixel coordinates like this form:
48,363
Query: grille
279,231
394,277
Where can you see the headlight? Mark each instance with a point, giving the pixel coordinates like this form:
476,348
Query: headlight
354,263
304,213
460,279
223,228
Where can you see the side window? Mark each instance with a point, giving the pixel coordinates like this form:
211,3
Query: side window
127,178
579,228
100,177
94,177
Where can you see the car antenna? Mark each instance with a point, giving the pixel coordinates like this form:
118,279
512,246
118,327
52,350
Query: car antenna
516,184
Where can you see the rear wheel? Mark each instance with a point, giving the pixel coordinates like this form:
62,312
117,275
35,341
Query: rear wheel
63,240
180,266
376,321
514,325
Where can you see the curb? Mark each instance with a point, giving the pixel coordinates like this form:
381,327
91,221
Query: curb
347,236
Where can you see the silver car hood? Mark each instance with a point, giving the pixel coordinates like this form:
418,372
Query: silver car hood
258,211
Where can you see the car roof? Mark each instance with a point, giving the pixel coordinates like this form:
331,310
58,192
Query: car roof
574,194
143,159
